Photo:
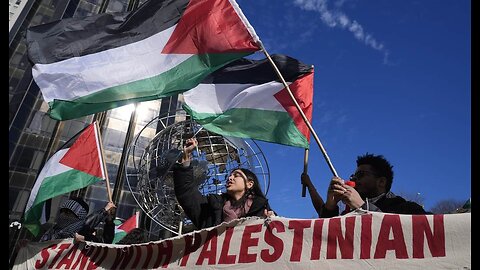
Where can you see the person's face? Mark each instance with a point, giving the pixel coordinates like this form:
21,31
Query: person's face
65,217
367,183
236,183
67,213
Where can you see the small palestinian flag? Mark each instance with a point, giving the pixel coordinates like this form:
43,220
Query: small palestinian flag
125,227
245,99
88,65
67,170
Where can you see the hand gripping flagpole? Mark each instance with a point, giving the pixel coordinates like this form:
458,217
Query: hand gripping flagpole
107,182
324,152
305,171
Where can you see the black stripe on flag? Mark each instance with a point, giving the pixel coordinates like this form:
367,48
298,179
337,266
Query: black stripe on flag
73,37
247,71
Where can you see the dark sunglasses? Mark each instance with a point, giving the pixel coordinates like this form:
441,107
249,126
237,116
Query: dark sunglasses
360,174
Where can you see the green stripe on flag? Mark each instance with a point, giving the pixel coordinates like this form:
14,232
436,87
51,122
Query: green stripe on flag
181,78
270,126
51,187
118,236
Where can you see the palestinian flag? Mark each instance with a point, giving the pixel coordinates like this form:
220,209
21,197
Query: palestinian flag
125,227
67,170
245,99
88,65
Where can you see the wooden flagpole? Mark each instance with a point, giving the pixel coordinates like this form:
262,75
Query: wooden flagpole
107,182
305,119
180,227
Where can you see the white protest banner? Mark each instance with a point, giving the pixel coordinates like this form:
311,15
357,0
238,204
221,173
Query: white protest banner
361,240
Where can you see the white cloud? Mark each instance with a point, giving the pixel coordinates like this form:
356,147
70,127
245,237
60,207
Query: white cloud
344,21
280,31
338,18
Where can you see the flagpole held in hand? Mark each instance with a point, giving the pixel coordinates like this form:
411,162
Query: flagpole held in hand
305,171
107,182
324,152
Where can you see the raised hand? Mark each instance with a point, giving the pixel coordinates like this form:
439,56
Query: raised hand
351,198
335,192
305,178
190,145
110,208
268,213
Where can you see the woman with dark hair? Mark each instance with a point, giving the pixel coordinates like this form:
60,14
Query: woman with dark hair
244,197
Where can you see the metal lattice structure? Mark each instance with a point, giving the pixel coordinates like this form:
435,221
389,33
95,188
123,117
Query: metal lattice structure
150,161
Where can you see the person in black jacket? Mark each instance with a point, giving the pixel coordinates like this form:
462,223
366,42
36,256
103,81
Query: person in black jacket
88,231
373,179
72,221
244,197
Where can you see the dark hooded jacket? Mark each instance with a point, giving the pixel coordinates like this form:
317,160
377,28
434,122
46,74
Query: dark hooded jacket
66,227
92,221
206,211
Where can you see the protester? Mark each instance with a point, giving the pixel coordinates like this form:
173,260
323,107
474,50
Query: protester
106,215
244,197
70,219
373,180
73,219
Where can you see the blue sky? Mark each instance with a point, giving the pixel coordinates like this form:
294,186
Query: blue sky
391,78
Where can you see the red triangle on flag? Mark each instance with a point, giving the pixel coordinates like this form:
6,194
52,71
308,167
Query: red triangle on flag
302,90
209,26
130,223
83,155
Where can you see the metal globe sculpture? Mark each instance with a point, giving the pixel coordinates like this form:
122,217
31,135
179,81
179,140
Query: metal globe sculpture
152,157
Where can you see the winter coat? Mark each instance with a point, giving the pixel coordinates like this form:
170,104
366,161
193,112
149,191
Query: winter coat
85,227
92,221
206,211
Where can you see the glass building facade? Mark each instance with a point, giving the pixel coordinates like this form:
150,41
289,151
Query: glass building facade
34,136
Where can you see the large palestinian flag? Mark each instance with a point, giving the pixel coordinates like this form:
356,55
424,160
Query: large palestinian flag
245,99
67,170
88,65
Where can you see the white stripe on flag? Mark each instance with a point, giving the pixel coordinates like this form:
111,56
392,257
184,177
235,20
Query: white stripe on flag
43,218
218,98
51,167
95,72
